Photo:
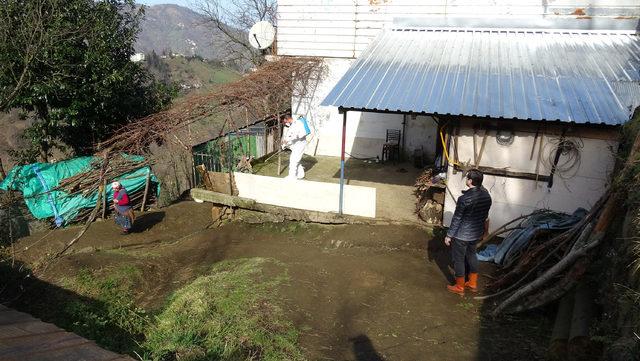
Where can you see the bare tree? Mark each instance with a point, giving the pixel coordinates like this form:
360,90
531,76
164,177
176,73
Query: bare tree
17,69
233,20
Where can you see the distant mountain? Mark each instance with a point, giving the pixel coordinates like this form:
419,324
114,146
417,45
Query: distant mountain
178,29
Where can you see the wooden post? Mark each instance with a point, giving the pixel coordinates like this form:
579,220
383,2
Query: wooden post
475,147
3,175
146,191
535,140
484,142
104,198
229,162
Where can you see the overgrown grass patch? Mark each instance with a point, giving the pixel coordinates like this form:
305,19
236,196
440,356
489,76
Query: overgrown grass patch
104,309
233,313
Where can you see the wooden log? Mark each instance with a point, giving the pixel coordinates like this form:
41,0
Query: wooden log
146,190
557,290
507,173
92,216
594,239
205,176
475,147
562,325
221,198
535,140
484,142
561,329
104,198
3,175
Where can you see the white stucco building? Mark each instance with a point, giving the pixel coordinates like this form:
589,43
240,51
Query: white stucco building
500,85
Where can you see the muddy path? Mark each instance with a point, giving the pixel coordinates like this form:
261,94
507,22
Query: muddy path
356,292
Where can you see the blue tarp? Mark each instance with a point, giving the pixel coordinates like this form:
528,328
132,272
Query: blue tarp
503,254
37,183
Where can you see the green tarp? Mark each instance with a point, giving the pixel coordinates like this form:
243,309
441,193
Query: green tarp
37,180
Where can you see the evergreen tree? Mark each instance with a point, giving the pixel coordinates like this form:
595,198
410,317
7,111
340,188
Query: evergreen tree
68,63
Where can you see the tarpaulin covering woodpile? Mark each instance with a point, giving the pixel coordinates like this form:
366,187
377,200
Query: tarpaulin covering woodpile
43,185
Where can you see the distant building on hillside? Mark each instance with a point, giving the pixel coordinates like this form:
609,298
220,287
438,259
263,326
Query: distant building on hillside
137,57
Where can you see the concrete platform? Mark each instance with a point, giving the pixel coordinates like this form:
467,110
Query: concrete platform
25,338
393,182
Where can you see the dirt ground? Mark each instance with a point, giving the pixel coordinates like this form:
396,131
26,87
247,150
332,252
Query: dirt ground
357,292
394,183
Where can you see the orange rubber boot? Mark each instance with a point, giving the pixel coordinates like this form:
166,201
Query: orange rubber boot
458,287
472,284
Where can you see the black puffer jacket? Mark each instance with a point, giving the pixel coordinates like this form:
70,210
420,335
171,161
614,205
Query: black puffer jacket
472,210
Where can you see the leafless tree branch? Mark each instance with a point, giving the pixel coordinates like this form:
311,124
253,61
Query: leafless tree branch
234,22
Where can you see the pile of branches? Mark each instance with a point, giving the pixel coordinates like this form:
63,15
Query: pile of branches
423,182
89,182
262,95
423,186
546,271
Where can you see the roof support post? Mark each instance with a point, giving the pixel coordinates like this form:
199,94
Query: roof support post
344,137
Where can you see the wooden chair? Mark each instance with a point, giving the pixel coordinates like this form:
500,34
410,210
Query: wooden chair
391,146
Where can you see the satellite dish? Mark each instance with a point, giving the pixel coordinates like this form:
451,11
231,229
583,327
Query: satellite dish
261,35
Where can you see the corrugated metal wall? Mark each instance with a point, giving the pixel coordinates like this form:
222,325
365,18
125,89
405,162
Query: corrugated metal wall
343,28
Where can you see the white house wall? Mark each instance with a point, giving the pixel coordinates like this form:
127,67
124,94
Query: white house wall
366,132
513,197
309,195
421,134
343,28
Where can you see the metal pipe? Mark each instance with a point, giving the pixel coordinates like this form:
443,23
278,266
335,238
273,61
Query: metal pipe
344,137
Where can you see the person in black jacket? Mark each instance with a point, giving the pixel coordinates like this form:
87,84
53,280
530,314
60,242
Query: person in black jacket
468,226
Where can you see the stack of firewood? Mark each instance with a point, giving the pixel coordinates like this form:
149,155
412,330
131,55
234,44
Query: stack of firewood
88,182
546,271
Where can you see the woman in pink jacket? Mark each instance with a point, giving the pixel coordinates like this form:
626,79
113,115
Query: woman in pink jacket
124,213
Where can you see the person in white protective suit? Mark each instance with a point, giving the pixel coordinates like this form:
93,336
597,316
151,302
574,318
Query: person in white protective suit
295,138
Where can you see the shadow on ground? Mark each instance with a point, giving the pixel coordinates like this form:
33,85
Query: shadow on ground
389,173
66,309
440,254
363,349
508,337
146,221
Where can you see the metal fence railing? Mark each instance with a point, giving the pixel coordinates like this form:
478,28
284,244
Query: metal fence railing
224,153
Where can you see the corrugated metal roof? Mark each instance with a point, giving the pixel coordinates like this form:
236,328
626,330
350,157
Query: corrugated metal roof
572,76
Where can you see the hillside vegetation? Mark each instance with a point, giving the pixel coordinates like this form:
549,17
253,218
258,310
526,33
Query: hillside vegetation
190,73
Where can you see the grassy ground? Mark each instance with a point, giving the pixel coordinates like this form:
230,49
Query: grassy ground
274,290
231,314
111,317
